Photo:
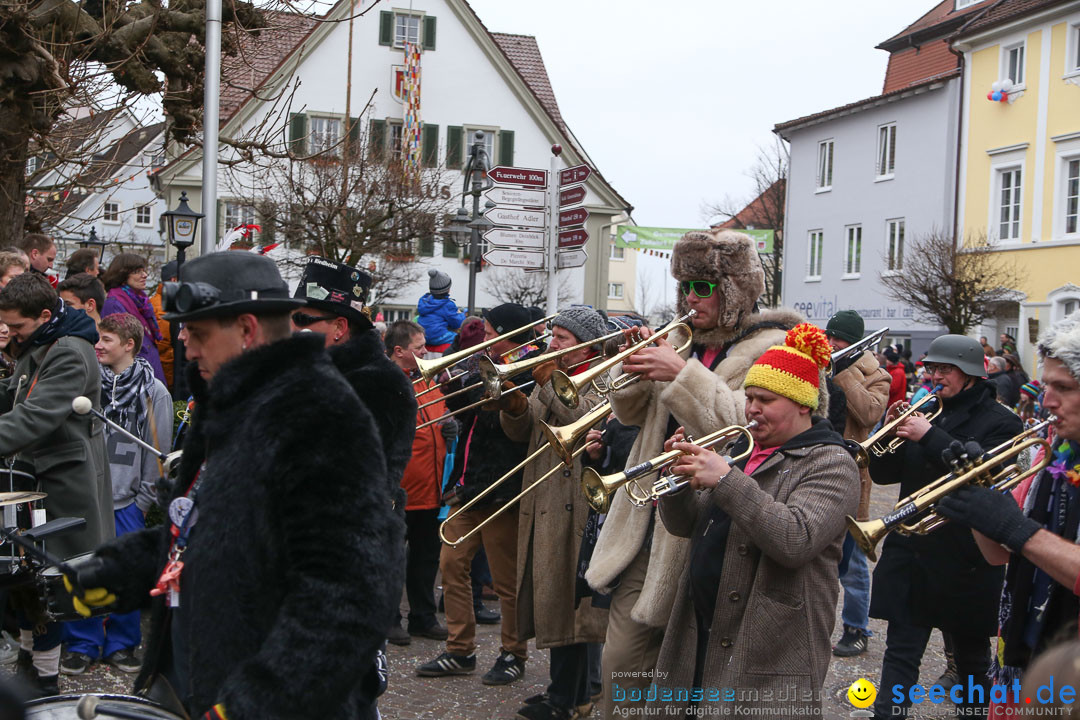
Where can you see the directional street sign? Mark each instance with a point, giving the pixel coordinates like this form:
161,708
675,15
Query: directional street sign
516,196
515,217
573,238
576,174
572,258
520,239
571,196
518,176
514,258
570,218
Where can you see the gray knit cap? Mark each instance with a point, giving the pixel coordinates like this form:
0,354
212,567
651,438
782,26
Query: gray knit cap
1062,342
439,283
585,323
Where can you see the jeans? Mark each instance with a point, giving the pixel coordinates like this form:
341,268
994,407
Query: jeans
855,579
569,676
421,566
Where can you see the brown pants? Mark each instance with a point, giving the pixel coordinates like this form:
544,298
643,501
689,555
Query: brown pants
499,538
630,647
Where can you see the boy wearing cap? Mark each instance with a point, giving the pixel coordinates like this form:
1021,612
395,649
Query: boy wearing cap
756,604
438,314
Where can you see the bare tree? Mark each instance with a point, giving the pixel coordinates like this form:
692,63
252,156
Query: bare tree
957,287
764,210
510,285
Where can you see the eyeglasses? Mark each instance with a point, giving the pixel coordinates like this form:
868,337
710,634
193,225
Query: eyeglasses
701,288
938,368
303,319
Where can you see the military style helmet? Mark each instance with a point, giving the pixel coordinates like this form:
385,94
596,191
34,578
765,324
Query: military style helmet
963,352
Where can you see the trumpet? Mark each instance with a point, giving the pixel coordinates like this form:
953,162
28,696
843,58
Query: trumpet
492,375
599,489
430,368
561,440
876,443
568,389
856,348
917,515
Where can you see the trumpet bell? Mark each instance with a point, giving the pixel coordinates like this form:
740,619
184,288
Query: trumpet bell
867,534
596,494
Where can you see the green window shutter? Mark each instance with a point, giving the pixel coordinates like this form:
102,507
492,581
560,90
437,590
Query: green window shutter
267,225
506,148
429,33
429,140
377,138
298,133
354,135
427,246
454,148
386,28
221,221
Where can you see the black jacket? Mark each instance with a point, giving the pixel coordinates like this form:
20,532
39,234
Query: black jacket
294,567
941,579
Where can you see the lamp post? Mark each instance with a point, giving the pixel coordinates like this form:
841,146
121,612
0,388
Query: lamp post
476,182
180,224
94,243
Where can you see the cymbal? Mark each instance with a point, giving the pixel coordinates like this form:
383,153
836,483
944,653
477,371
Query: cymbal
14,498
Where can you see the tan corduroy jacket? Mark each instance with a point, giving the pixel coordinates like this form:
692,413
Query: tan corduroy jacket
866,386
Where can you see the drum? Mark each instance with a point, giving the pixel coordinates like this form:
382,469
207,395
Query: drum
65,707
15,569
57,600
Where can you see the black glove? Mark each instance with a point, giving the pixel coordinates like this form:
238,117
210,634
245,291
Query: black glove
449,429
996,515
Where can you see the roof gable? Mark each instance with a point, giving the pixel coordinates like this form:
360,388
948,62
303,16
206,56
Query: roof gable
1003,11
939,21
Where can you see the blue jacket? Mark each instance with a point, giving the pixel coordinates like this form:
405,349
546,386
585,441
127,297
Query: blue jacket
439,317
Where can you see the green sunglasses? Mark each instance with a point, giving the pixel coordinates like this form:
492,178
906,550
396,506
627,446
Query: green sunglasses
701,288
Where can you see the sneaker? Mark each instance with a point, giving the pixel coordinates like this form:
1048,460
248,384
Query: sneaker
397,635
448,664
544,711
852,643
487,617
9,648
75,663
951,676
435,632
47,686
24,665
125,661
583,711
507,668
536,699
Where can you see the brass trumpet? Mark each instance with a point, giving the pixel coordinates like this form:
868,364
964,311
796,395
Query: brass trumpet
876,443
493,375
431,368
559,439
599,488
568,389
916,514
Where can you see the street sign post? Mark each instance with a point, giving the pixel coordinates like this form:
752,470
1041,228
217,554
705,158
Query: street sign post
505,257
511,238
573,238
516,196
571,196
515,217
571,218
576,174
572,258
528,177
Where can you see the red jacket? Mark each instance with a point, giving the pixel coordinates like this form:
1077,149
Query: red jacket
422,480
898,385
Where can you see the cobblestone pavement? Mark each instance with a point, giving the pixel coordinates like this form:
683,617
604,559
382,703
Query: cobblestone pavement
464,697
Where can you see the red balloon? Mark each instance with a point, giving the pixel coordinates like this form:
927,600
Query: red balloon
990,96
1004,97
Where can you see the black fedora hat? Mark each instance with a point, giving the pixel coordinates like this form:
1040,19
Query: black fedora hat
334,287
227,283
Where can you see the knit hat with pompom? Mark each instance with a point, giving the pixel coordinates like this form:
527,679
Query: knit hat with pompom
794,368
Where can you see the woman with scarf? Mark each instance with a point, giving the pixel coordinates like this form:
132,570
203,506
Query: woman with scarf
125,285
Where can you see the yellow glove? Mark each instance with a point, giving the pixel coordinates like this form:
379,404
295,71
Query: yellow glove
95,597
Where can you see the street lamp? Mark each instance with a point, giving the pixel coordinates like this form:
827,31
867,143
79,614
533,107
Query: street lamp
180,224
476,182
94,243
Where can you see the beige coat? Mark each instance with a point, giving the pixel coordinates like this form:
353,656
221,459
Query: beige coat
701,401
551,522
866,385
776,602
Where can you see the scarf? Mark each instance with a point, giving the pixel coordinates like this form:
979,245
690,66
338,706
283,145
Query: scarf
138,304
65,321
124,396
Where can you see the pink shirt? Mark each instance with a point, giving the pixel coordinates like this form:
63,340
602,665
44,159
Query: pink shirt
758,456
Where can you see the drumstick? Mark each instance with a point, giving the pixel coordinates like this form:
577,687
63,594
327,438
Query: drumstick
82,405
47,558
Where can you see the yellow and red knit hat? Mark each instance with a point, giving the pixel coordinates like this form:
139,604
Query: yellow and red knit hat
794,368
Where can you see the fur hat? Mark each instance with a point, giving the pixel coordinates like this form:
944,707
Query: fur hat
730,260
584,323
794,369
1062,342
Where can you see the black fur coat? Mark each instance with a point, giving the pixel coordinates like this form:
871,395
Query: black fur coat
294,567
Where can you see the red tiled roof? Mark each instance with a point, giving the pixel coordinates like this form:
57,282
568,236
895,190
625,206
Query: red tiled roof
1004,10
524,54
912,65
761,211
939,20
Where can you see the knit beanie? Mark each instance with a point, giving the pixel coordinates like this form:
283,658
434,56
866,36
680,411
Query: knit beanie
846,325
1031,389
584,323
439,283
793,369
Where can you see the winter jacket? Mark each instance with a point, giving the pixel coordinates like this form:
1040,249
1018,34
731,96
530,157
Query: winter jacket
439,316
296,545
866,386
422,481
135,470
898,383
165,344
941,580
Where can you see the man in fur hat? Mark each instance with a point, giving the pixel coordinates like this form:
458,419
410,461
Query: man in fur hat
720,277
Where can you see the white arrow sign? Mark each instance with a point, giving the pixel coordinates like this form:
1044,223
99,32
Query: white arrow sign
515,196
516,217
521,239
572,258
514,258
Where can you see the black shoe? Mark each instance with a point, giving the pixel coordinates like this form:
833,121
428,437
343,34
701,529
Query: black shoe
487,617
852,643
48,686
24,666
951,676
435,632
448,664
544,711
507,668
398,636
125,661
75,663
536,699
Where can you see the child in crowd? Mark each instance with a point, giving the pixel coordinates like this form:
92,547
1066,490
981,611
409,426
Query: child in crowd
438,313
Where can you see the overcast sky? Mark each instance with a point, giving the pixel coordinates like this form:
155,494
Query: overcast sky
671,100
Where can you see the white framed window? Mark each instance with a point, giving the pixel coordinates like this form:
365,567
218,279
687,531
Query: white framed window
825,165
894,252
144,215
1012,63
886,152
617,252
961,4
815,248
237,214
1072,50
1071,198
615,291
397,135
1009,191
32,165
406,29
852,251
325,134
489,142
1068,307
110,212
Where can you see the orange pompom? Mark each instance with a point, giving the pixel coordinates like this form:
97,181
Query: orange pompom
810,340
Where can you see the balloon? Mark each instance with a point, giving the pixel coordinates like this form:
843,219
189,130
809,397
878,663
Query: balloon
1007,84
989,96
996,96
996,86
1004,98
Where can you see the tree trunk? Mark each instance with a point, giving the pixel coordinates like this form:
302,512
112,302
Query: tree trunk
13,147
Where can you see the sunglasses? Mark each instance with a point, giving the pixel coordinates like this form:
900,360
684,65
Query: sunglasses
303,319
701,288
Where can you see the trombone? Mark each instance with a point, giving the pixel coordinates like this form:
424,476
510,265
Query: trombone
561,440
871,340
568,389
430,368
917,514
599,489
493,376
876,443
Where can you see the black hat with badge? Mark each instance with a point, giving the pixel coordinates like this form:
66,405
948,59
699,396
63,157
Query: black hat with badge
224,284
335,287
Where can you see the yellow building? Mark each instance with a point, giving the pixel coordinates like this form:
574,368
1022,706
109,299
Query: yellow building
1019,181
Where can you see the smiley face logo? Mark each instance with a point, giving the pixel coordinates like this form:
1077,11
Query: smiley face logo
861,694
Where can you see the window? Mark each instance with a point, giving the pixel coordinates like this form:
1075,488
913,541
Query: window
406,29
894,232
617,252
397,132
325,134
1069,307
615,291
110,212
961,4
1072,51
32,165
489,143
237,214
886,153
1009,189
1072,195
825,165
1012,63
817,245
144,215
853,251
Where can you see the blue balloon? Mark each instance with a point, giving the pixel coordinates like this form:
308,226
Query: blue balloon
997,96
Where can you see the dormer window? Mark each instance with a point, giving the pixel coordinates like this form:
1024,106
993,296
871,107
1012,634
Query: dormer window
961,4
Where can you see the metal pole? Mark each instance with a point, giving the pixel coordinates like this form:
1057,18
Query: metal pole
553,232
474,236
179,391
211,91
